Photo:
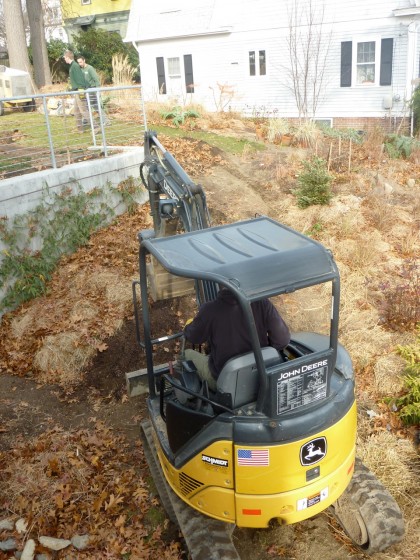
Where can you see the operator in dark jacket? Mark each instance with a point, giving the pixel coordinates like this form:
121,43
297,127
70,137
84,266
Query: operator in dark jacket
222,324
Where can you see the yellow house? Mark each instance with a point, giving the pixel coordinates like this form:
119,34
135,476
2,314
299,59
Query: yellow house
80,15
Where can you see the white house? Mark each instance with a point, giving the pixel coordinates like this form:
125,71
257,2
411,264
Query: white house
354,63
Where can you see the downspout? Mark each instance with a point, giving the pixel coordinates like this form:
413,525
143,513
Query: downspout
413,39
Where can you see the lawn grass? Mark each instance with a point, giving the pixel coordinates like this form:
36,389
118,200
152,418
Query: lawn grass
226,143
29,130
26,144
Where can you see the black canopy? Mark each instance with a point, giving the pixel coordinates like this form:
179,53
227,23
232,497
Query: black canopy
260,257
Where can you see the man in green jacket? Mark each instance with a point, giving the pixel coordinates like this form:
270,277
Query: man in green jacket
92,79
89,72
78,83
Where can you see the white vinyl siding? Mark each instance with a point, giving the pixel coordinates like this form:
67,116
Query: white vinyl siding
222,65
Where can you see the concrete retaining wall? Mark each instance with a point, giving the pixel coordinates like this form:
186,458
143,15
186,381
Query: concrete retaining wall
19,195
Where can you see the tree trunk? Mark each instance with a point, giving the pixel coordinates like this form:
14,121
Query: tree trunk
15,35
42,73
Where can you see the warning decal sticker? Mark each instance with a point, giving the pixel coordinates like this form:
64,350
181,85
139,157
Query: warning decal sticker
305,503
302,386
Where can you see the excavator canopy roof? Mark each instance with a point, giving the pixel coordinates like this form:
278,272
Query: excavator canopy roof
259,257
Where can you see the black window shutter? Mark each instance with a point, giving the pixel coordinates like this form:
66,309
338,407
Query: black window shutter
386,62
160,65
188,69
346,60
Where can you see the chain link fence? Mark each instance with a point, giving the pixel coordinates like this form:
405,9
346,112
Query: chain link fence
56,129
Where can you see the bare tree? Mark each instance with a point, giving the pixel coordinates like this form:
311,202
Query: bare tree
15,35
308,46
42,73
2,27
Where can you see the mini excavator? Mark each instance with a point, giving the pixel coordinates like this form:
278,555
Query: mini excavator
276,442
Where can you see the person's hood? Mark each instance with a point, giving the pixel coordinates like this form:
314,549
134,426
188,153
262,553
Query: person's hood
227,296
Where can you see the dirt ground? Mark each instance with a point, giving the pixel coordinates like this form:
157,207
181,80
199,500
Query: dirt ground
236,187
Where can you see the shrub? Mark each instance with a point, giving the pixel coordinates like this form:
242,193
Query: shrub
307,134
400,308
409,404
276,129
98,47
345,134
179,115
59,68
314,183
398,146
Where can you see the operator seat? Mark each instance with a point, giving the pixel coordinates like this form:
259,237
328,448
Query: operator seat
239,376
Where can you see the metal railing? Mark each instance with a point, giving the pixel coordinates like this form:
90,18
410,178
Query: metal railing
45,130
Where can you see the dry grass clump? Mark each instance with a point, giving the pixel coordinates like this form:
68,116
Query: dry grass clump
65,355
82,311
360,331
308,309
415,156
395,462
307,134
117,288
29,321
122,71
373,144
380,212
408,242
122,75
276,129
358,253
388,370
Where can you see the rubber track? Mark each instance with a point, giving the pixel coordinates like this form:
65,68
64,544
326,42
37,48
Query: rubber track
380,512
206,538
155,469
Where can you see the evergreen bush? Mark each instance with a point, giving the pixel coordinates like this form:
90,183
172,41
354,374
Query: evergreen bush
314,183
415,107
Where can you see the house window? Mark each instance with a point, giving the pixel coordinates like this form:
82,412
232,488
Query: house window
174,68
365,66
253,63
85,2
366,63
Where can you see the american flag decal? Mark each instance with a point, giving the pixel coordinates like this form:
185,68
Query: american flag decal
253,457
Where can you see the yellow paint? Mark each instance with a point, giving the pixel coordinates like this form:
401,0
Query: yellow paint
285,471
74,8
270,492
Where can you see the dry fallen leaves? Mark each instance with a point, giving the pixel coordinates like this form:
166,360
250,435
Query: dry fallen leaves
67,483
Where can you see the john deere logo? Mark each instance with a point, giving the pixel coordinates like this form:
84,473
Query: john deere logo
313,451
